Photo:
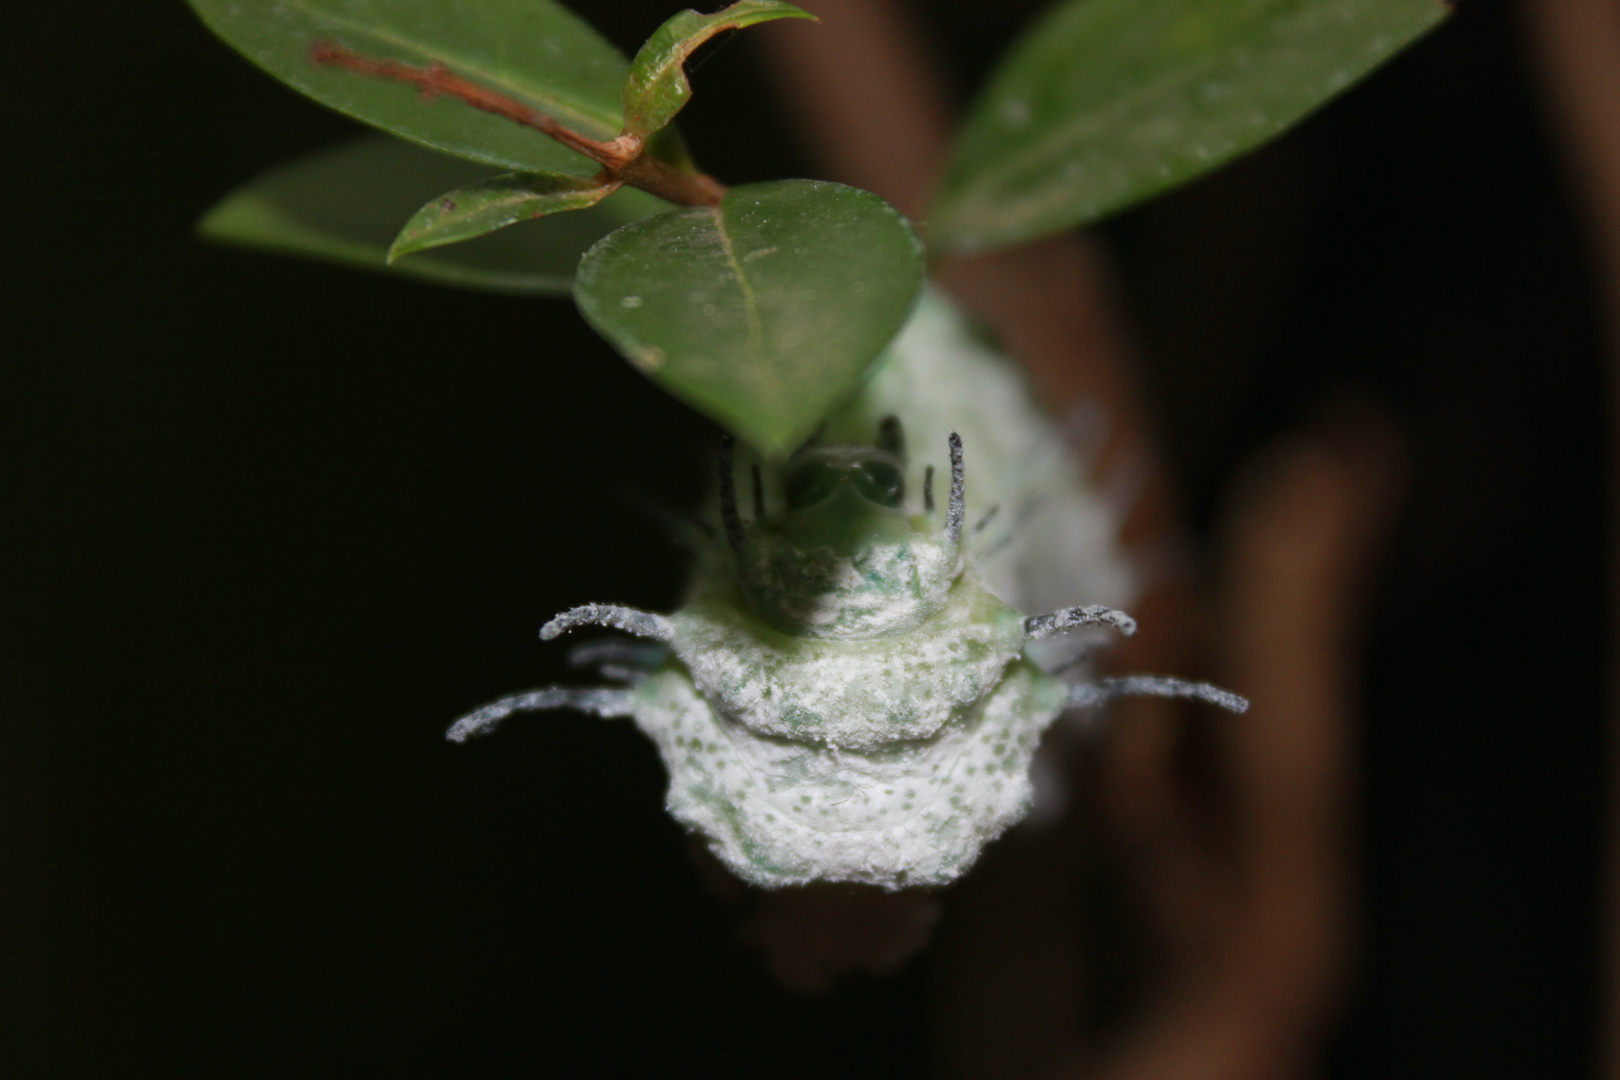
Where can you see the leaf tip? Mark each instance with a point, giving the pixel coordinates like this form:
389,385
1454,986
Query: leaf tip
207,225
223,223
400,248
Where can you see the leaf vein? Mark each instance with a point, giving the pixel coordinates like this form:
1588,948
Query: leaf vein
756,328
563,108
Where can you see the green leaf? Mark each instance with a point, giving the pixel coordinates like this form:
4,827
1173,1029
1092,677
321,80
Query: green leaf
482,207
533,50
345,206
1107,102
764,312
656,88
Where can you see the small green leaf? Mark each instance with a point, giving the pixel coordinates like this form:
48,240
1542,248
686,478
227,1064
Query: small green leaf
345,206
764,312
656,88
533,50
480,208
1107,102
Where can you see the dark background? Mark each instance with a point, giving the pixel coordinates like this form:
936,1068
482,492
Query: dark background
266,526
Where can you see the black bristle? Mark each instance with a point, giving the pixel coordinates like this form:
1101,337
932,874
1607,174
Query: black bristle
728,494
892,437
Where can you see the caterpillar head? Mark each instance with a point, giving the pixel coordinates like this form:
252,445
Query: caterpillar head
846,554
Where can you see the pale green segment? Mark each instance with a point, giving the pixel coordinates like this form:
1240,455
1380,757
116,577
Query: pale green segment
535,51
764,312
345,206
1107,102
656,87
481,208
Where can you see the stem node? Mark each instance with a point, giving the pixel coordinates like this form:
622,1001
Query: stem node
623,159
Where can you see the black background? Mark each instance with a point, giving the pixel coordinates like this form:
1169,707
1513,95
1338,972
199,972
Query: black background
266,526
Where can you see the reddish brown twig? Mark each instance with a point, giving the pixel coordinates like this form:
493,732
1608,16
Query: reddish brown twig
623,159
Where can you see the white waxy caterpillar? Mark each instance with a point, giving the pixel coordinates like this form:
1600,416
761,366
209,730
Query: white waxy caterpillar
852,691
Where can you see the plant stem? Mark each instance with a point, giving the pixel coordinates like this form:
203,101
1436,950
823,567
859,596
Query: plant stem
624,159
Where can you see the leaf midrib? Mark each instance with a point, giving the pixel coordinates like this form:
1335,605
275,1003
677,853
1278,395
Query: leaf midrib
756,327
564,107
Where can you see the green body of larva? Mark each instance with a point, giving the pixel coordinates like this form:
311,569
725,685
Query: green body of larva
852,691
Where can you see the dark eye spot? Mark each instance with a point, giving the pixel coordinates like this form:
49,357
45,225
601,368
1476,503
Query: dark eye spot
809,483
881,482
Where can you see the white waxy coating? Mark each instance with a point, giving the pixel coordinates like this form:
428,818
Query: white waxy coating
779,812
856,694
880,588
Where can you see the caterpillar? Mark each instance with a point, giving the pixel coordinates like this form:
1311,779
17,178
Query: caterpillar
853,690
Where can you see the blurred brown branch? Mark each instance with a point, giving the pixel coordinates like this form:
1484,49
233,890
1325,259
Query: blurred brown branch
1249,922
1256,988
1577,47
